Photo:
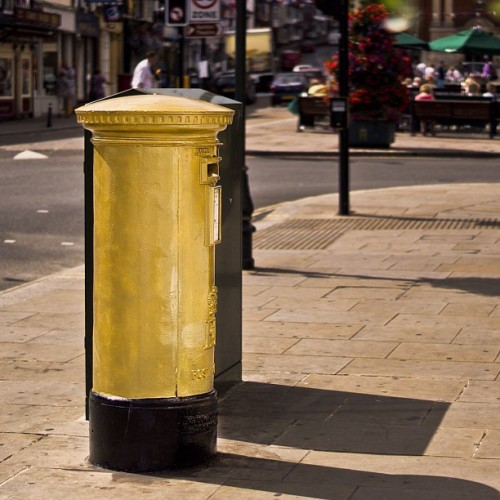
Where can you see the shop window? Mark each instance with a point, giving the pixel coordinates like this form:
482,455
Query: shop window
7,6
26,77
49,72
5,77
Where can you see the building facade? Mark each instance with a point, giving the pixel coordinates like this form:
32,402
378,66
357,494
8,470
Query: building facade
438,18
38,37
30,41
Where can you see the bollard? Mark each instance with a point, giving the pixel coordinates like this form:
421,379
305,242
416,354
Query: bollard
247,227
156,221
49,116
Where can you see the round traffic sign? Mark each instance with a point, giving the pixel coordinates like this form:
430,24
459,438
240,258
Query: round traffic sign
176,14
204,4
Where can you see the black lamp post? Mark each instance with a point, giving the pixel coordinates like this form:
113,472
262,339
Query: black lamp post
342,16
240,75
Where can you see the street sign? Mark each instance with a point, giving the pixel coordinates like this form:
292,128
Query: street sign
204,11
176,12
203,30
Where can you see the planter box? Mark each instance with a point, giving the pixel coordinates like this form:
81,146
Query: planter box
371,134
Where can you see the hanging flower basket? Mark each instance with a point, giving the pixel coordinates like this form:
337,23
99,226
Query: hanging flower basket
376,72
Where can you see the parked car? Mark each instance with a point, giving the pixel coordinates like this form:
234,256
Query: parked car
224,84
303,67
333,38
286,86
310,72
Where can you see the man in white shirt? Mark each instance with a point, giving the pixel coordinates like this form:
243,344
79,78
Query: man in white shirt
143,73
429,73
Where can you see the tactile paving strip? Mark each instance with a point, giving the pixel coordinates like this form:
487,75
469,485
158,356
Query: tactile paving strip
317,234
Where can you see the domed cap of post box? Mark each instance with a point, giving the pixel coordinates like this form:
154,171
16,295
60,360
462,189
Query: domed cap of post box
153,114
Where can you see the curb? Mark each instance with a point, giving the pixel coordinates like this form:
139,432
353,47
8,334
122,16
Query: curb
441,153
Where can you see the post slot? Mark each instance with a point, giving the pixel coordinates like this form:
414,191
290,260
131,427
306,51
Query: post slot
209,170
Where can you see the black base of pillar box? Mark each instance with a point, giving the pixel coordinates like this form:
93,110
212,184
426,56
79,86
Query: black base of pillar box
147,435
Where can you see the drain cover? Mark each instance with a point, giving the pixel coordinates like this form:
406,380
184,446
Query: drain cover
317,234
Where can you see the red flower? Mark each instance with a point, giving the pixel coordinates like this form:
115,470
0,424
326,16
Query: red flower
376,68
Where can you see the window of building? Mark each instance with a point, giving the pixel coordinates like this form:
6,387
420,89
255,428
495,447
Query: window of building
50,72
6,77
7,6
26,77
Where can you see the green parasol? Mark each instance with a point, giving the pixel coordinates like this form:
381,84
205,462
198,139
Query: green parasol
407,41
475,41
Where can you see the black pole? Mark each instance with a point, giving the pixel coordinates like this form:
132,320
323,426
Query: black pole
49,116
180,62
88,170
240,78
240,56
344,92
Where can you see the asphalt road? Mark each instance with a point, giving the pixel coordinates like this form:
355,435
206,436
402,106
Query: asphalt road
39,135
41,216
275,180
41,201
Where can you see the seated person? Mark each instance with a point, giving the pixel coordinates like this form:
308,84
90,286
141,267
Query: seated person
317,88
474,89
491,91
466,85
426,93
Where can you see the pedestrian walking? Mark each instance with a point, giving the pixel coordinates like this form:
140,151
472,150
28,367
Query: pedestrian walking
61,92
144,73
69,75
97,81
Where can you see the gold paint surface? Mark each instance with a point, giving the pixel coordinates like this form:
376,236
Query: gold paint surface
154,291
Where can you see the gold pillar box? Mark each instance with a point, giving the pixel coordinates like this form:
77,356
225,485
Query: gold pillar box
157,219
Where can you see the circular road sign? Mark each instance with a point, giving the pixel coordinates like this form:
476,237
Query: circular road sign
176,14
204,4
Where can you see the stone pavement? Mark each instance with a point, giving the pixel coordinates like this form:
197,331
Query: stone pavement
272,130
371,359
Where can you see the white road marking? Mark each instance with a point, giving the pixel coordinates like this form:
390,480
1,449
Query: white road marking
30,155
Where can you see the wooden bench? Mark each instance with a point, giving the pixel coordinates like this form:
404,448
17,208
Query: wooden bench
311,110
462,111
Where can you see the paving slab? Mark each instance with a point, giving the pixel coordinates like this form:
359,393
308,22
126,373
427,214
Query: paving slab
297,330
417,388
481,391
389,332
472,415
434,475
360,349
430,351
371,367
417,368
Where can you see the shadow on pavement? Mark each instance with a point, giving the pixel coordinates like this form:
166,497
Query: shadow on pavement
479,286
324,482
295,420
317,419
475,285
